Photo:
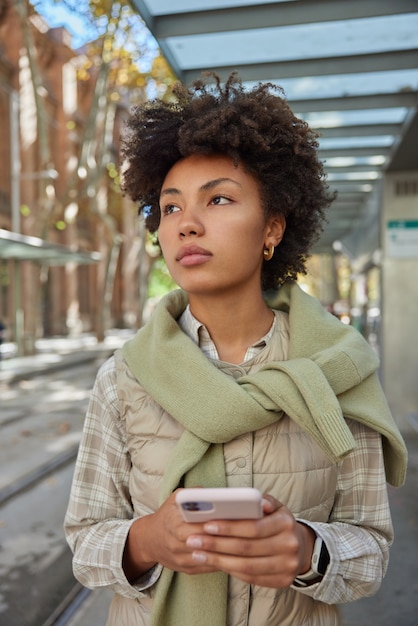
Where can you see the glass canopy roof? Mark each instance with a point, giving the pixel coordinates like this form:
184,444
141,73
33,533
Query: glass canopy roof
14,246
349,68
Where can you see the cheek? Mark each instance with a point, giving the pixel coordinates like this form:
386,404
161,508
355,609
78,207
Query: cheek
245,248
163,238
251,235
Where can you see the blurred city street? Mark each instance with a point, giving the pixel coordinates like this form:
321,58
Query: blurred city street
396,603
43,400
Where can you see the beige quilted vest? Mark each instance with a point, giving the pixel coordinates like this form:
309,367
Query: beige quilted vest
281,460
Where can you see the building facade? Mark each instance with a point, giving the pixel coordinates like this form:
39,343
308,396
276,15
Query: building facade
59,182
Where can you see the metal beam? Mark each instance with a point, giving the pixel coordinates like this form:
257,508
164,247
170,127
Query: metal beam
354,210
351,186
358,130
405,151
276,14
343,224
349,194
348,200
359,177
354,152
347,169
395,60
349,103
142,7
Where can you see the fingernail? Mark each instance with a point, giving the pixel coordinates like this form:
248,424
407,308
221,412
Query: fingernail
212,528
199,557
194,542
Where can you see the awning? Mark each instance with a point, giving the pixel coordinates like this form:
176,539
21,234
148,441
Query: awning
349,68
17,247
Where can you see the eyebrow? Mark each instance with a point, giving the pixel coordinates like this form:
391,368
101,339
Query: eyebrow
211,184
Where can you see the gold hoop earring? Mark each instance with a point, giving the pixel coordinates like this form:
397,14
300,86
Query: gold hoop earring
268,253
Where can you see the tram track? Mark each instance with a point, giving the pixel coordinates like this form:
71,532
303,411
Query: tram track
44,470
42,412
40,428
12,419
33,548
40,425
68,607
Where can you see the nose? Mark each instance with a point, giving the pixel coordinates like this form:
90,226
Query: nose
190,225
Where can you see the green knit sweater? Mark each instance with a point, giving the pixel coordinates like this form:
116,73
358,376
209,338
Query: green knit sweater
331,373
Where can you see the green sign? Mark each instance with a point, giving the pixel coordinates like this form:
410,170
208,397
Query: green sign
402,239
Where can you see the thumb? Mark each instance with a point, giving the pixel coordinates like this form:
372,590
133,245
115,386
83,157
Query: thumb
270,504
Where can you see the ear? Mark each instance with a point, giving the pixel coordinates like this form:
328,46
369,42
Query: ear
275,230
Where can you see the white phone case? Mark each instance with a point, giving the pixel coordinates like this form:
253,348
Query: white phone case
203,504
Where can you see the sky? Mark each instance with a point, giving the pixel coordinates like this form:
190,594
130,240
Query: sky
56,14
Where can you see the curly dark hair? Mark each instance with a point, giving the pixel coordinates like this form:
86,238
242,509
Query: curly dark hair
259,131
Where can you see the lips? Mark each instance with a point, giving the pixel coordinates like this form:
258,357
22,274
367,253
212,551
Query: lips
193,255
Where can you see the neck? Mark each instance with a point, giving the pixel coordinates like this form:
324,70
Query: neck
233,325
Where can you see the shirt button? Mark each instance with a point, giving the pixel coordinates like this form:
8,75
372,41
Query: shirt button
241,462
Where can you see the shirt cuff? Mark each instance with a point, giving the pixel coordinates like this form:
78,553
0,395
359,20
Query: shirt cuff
149,578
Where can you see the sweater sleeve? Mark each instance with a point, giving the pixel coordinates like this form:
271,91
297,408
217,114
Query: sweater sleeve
359,532
100,513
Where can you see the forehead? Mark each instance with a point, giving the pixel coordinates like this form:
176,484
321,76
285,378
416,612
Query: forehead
198,169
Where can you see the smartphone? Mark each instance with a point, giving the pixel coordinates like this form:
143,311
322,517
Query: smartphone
204,504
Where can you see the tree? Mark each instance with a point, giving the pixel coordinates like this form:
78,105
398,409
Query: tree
113,71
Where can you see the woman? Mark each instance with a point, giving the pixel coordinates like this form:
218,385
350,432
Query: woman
220,389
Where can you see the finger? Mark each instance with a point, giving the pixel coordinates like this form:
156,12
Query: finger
266,571
279,520
239,547
279,544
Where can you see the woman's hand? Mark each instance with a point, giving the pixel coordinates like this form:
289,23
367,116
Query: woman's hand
162,538
269,552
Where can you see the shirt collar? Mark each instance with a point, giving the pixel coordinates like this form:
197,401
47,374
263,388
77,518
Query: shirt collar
200,335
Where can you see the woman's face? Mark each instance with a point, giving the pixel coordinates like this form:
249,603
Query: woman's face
212,230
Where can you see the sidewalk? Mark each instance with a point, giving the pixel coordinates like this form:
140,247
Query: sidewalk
55,353
396,602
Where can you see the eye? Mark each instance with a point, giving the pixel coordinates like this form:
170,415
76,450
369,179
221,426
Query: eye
168,209
219,200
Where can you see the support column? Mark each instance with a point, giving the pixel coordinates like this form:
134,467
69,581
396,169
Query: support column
399,233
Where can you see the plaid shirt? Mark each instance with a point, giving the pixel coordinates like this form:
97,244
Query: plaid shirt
358,533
